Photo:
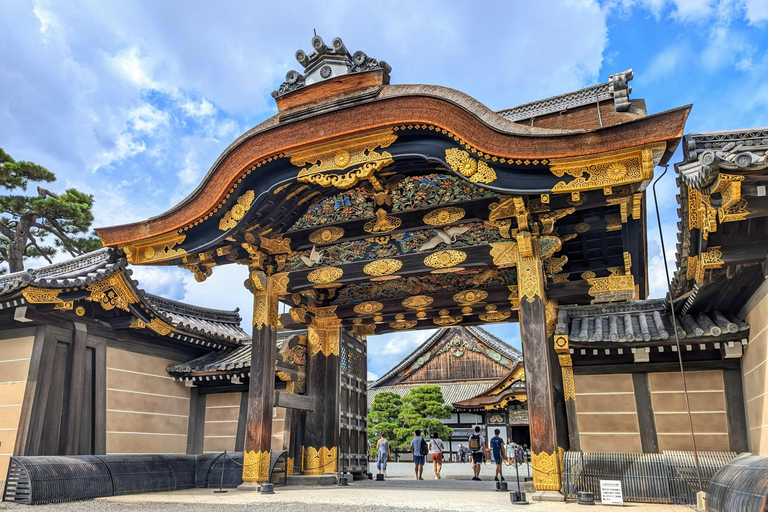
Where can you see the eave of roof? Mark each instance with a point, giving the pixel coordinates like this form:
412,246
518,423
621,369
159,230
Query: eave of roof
483,335
82,271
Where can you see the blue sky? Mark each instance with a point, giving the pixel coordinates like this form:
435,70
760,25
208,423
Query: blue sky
133,101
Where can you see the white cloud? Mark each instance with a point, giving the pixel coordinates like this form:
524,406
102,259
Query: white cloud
46,18
133,67
372,376
198,109
123,146
163,281
664,64
147,118
756,11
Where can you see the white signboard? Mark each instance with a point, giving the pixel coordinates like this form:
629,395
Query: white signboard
610,492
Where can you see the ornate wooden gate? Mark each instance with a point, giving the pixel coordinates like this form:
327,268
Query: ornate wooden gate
353,415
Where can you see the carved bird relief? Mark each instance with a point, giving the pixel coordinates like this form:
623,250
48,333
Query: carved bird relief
447,236
313,258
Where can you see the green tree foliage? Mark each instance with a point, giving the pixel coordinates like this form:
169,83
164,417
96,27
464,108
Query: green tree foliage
382,416
41,225
422,409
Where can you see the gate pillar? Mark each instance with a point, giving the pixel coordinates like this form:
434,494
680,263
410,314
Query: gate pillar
546,455
321,426
261,391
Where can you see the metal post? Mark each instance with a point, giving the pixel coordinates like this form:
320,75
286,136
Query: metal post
223,467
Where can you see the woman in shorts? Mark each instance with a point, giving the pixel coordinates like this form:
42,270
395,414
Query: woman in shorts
436,447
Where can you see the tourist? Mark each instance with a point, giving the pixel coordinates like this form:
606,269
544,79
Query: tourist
478,447
511,447
419,451
436,447
497,449
462,454
382,446
520,454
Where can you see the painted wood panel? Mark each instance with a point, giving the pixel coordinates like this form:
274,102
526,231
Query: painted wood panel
448,367
221,415
147,412
707,399
607,414
15,354
754,365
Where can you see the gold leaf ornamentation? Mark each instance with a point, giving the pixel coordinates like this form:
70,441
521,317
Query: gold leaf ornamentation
504,254
326,235
316,462
256,466
444,259
349,179
325,275
237,212
476,170
466,310
368,308
495,316
607,170
443,216
581,227
447,320
417,301
555,265
612,288
529,279
341,153
560,278
275,245
403,324
470,296
35,295
383,267
548,470
80,311
155,249
383,223
112,292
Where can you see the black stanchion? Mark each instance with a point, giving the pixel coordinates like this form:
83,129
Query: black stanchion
223,466
518,497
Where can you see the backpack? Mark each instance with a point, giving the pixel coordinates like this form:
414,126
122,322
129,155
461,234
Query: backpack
474,443
423,448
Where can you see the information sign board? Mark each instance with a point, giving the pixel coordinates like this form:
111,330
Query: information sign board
610,492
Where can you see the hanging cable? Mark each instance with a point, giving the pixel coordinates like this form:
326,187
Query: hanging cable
674,327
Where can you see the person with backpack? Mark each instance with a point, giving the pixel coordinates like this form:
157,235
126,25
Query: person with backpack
419,450
478,447
436,448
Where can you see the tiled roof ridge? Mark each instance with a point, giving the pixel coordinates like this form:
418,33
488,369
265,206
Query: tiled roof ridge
497,343
172,306
60,273
615,88
624,307
409,359
480,333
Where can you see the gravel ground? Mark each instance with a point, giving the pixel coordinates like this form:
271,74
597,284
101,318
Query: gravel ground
400,492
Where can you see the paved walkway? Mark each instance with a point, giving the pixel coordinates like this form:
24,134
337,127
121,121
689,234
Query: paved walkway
400,492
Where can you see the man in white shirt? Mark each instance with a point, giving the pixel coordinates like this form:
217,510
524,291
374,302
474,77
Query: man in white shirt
478,447
418,456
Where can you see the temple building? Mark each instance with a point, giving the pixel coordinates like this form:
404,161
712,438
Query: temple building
370,208
465,362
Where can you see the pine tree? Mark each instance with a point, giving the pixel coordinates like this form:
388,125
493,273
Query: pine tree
382,417
41,225
422,409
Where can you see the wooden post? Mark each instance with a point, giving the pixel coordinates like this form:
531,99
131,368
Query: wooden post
546,456
321,426
261,392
